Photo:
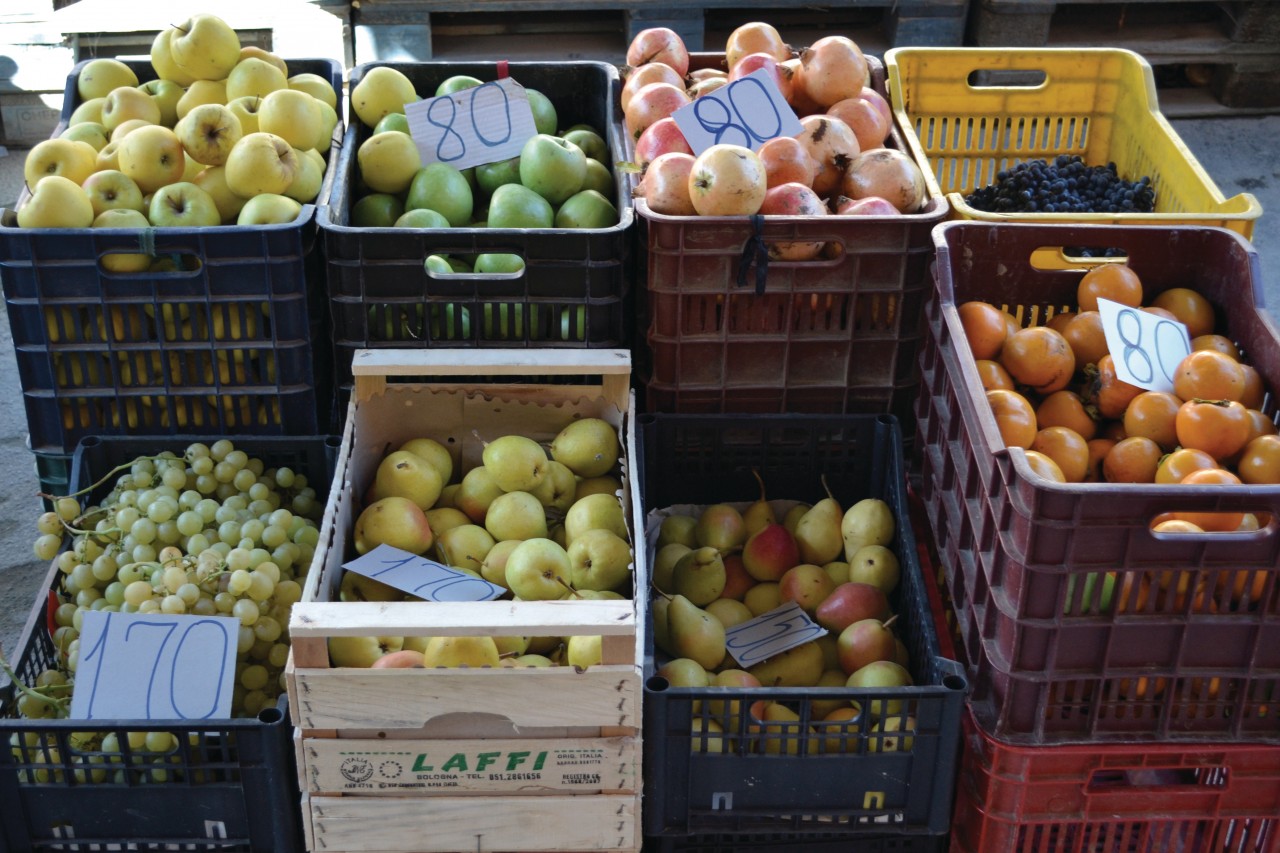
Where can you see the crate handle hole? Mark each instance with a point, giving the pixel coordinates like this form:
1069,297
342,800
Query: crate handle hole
1023,78
1076,258
166,266
498,266
1214,526
1108,779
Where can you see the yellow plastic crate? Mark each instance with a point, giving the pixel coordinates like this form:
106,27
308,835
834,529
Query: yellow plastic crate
965,118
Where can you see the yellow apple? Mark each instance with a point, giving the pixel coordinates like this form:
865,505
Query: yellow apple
162,59
246,109
255,52
153,157
254,77
124,262
388,161
193,167
112,189
315,86
202,92
127,127
307,180
182,205
90,110
100,76
213,180
167,94
205,47
128,102
330,116
87,131
108,157
56,202
69,158
381,90
292,115
260,163
208,133
269,209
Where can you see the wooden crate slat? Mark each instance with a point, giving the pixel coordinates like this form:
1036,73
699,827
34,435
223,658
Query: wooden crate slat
463,619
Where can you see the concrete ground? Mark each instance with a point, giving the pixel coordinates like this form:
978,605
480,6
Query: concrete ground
1240,154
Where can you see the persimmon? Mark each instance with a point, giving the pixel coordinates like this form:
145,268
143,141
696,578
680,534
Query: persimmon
1189,307
1059,321
1217,343
1159,312
1045,467
1088,341
984,328
1208,375
1098,450
1255,390
1152,414
1039,357
1177,526
993,375
1181,462
1211,521
1117,282
1014,416
1217,427
1066,409
1133,460
1260,462
1067,449
1107,391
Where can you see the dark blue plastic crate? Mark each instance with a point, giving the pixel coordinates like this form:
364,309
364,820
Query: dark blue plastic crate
96,357
783,843
233,785
858,793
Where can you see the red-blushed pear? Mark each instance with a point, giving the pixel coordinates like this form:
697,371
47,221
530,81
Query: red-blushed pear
394,521
864,642
720,526
683,672
807,585
403,659
849,603
727,711
770,553
880,675
736,579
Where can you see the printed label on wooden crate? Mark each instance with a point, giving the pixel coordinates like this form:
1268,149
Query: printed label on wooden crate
748,112
483,124
1145,348
583,765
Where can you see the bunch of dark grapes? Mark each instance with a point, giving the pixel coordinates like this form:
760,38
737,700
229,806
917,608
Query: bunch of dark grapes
1066,185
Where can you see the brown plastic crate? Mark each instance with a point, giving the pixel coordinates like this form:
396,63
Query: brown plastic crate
1052,659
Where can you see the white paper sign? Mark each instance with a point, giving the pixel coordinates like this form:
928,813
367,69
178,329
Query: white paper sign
770,634
483,124
155,666
748,112
419,576
1146,348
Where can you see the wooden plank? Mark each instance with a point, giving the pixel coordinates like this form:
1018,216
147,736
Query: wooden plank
500,700
462,619
448,824
496,362
493,766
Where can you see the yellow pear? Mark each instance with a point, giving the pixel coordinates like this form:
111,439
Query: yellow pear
407,475
461,651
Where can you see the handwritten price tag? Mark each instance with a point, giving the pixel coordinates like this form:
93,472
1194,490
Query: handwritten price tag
771,633
155,667
483,124
419,576
1146,348
748,112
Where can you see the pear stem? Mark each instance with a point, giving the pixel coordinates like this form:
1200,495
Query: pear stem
825,487
755,472
573,592
479,438
659,591
888,623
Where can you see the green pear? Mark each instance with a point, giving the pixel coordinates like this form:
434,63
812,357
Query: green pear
694,633
538,570
681,529
800,666
558,489
461,651
528,660
818,532
868,522
760,514
447,496
784,735
682,672
588,447
877,741
477,490
517,463
511,646
607,484
595,512
660,610
361,651
494,567
407,475
464,546
516,515
820,708
720,526
664,563
357,587
584,651
599,560
763,597
432,451
442,518
881,675
600,595
876,565
730,612
699,576
394,521
793,516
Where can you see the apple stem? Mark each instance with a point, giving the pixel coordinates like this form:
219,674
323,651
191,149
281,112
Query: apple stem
888,623
825,487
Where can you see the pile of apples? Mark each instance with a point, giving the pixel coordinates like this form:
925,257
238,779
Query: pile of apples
546,526
224,136
560,179
726,566
838,165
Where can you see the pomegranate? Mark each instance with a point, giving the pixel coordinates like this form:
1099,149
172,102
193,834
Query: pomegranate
833,69
659,44
869,125
755,37
832,146
753,62
665,184
887,173
660,138
872,205
869,94
793,199
727,180
707,86
700,74
799,100
786,160
654,72
655,101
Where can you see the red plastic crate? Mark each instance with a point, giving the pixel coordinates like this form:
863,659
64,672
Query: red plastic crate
832,335
1115,798
1051,658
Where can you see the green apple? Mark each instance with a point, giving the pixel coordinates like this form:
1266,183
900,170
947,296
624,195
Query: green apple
127,103
315,86
307,181
490,176
389,162
503,321
213,180
183,205
294,116
441,187
111,190
591,143
153,156
392,121
450,322
208,133
166,94
552,167
330,118
269,209
496,263
100,76
361,651
599,178
587,209
599,560
205,46
423,217
544,112
67,158
376,210
437,264
381,90
517,206
123,262
258,163
246,110
56,202
201,92
87,131
457,83
539,570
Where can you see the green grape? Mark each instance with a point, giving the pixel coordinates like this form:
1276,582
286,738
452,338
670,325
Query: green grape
284,477
220,448
224,472
172,604
114,593
174,477
67,562
246,610
173,578
145,498
204,607
257,466
245,639
68,509
239,582
87,550
206,484
237,503
190,498
77,621
81,577
269,569
197,544
167,533
208,509
47,545
238,559
274,536
286,555
144,554
128,608
244,480
260,509
104,568
170,556
195,450
258,556
221,548
260,586
253,529
100,604
260,649
254,677
224,601
49,523
86,597
34,709
267,629
160,741
229,532
259,491
159,511
279,654
64,637
238,459
288,592
64,614
129,573
190,523
224,491
282,518
303,504
143,531
137,592
149,606
309,535
189,593
50,678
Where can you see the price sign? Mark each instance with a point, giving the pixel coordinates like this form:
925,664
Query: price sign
155,666
1146,348
748,112
771,633
483,124
419,576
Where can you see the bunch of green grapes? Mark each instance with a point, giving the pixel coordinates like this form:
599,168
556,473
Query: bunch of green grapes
97,757
212,532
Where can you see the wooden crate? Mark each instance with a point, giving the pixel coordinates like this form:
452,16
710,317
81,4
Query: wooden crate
469,759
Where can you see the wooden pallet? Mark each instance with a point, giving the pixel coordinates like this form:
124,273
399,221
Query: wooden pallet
440,760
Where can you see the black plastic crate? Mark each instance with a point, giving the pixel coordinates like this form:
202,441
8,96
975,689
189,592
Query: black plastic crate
381,296
781,843
859,793
231,341
232,783
53,470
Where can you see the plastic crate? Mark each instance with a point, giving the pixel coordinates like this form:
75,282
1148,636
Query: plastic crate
1064,662
831,335
775,843
233,785
231,341
53,470
1116,798
968,113
578,280
692,459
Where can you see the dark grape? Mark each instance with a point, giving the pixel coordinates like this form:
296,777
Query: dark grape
1066,185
